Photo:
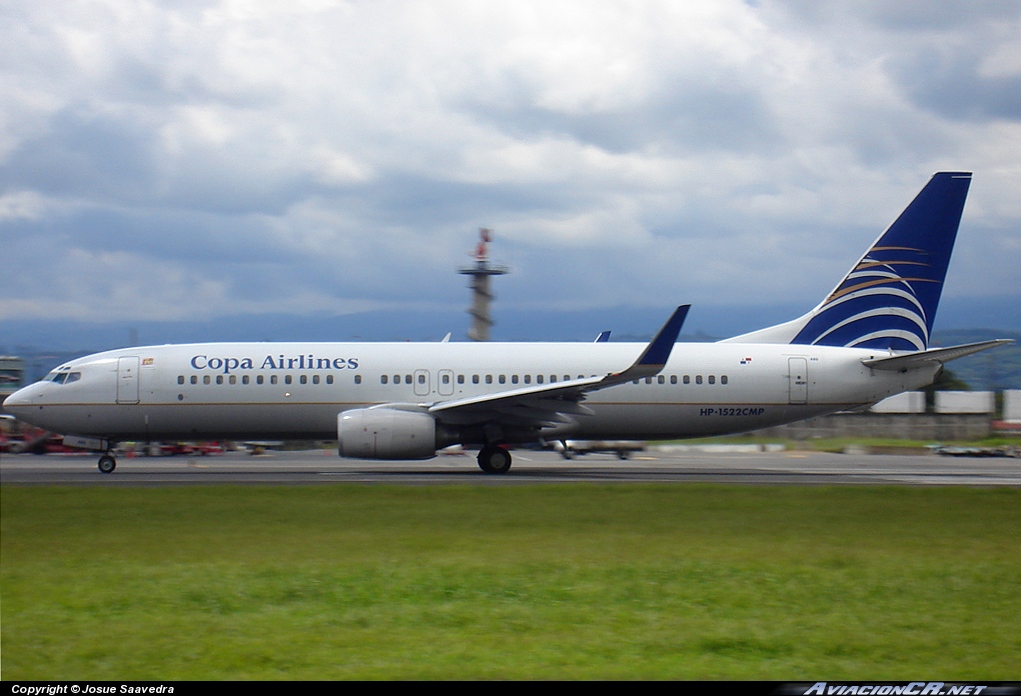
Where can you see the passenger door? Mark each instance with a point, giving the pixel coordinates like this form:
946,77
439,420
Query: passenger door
127,380
798,377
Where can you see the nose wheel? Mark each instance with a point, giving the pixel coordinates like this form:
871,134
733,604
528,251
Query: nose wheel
107,464
494,460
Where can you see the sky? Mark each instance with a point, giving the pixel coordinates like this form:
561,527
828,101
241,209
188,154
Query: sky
190,159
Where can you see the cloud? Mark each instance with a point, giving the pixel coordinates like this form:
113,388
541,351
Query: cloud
20,205
214,157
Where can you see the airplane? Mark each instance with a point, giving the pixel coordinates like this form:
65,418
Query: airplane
868,339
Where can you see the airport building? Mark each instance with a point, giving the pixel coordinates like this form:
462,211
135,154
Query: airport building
12,378
956,415
12,375
1012,406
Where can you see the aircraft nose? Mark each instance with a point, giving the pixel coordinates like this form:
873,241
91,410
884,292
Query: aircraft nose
19,399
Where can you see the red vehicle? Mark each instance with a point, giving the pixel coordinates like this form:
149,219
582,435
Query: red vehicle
172,449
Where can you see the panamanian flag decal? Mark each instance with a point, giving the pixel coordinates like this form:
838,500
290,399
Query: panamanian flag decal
746,361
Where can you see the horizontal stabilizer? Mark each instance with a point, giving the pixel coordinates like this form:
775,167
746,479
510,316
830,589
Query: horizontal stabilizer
910,361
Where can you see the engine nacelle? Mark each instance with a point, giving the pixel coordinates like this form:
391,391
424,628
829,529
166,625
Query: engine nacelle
386,433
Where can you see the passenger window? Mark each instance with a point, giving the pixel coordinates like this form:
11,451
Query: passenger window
315,379
233,379
180,379
272,379
712,379
661,379
194,379
528,379
648,380
673,379
329,379
538,379
383,379
205,379
407,379
687,379
246,379
460,379
219,379
287,379
489,379
303,379
698,379
421,379
514,379
358,379
260,379
475,379
503,379
723,379
445,378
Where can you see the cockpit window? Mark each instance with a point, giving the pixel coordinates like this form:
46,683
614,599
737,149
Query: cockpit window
62,377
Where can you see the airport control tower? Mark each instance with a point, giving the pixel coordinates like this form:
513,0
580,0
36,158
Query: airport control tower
482,296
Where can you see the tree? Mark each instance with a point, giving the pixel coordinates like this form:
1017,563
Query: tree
945,381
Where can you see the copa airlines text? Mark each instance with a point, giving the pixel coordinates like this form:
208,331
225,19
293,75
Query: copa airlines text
302,362
867,340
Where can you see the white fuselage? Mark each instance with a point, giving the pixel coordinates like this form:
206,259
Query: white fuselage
296,390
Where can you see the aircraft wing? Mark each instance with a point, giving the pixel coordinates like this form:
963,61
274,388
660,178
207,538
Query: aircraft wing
547,405
910,361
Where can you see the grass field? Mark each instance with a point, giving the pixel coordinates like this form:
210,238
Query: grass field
529,582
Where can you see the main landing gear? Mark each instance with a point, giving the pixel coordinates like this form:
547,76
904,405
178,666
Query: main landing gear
494,460
107,463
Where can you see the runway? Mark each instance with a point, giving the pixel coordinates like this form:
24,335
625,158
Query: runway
530,467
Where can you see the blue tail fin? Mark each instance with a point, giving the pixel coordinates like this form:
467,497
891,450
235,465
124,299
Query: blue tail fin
889,298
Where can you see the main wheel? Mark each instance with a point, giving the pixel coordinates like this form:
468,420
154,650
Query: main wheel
494,460
107,464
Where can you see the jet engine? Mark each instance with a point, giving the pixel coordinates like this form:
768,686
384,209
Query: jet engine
386,433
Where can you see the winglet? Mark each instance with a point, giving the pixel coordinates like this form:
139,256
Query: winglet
603,337
655,355
658,350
